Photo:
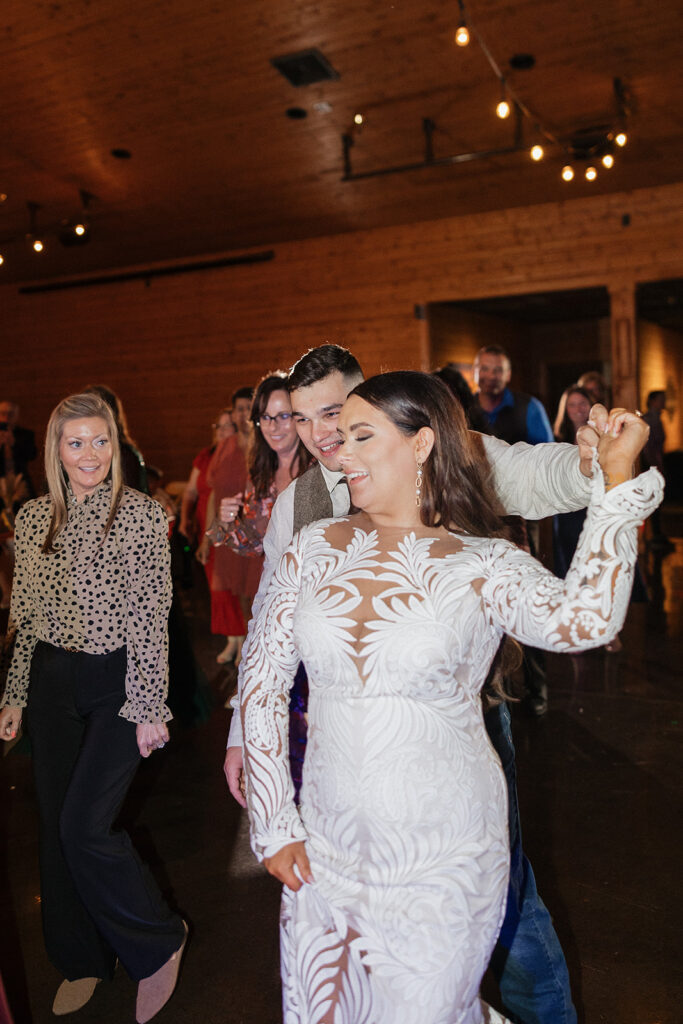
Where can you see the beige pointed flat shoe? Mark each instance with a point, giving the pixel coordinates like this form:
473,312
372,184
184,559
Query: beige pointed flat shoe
154,992
72,995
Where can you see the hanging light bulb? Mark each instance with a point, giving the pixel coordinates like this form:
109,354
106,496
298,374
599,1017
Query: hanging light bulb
2,259
621,139
503,108
462,35
567,172
591,173
536,153
38,245
79,229
608,161
358,119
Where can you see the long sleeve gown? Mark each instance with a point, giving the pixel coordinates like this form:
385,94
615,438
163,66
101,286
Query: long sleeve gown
403,805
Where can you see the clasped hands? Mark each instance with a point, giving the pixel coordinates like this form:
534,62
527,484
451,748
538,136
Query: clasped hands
619,436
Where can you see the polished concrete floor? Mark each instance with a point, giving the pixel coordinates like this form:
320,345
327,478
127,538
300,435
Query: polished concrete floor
599,780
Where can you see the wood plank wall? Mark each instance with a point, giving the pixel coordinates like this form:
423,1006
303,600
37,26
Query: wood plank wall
176,347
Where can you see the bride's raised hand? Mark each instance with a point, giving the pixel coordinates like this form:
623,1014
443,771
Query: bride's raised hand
290,865
623,437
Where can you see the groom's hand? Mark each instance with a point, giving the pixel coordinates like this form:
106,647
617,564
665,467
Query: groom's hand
588,435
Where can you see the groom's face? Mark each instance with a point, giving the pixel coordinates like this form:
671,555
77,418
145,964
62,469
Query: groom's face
316,410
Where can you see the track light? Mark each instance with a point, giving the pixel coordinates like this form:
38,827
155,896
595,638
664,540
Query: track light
591,173
536,153
567,172
608,161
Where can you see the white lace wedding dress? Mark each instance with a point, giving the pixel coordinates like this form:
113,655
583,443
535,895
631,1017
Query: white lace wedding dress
403,805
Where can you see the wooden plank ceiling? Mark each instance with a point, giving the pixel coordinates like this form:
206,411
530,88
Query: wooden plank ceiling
189,90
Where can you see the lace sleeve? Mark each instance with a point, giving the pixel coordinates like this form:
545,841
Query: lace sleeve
588,608
267,673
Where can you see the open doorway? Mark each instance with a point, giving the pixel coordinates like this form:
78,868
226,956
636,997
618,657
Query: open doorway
659,311
551,337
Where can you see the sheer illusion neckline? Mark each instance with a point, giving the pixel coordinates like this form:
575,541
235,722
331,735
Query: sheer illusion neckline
363,522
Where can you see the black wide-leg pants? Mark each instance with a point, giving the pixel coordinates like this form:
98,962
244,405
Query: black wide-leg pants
98,900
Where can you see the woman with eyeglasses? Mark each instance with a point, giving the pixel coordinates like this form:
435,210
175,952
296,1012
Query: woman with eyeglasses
275,458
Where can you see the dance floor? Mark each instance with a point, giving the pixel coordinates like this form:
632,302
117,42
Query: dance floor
599,781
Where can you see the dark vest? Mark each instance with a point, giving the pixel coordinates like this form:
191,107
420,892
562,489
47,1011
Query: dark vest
312,500
510,423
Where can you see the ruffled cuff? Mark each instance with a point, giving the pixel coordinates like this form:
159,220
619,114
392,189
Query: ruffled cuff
142,714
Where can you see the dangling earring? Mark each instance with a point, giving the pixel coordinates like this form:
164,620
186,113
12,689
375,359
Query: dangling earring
418,484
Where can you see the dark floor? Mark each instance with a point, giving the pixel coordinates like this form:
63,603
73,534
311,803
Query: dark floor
600,795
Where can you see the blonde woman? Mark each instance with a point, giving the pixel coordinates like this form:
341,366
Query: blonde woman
88,619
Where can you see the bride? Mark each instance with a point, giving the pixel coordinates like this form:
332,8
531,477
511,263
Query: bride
395,865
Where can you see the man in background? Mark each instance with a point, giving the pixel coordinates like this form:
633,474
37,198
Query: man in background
511,415
515,416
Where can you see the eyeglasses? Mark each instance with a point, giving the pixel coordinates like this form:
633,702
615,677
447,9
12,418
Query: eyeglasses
281,417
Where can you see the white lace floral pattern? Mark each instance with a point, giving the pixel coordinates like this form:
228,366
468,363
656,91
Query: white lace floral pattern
403,805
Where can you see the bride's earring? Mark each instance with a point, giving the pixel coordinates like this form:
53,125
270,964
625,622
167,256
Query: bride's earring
418,484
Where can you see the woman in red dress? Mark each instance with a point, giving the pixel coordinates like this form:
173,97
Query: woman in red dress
197,491
227,474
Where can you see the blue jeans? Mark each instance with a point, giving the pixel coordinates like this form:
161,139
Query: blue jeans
527,963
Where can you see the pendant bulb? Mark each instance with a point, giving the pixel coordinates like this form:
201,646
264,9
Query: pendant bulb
462,35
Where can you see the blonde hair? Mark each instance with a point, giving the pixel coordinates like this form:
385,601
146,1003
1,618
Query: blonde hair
76,407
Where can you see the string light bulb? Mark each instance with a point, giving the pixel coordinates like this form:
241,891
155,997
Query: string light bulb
608,161
79,229
358,119
591,173
621,139
2,259
536,153
462,35
38,245
567,172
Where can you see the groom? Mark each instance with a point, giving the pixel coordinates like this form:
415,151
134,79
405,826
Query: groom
531,481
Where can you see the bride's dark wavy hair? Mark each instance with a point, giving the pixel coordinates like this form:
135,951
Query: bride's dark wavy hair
456,492
456,489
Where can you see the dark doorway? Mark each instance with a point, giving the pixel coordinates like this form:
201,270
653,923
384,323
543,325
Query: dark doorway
551,337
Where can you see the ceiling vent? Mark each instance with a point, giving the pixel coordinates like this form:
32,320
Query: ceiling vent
305,67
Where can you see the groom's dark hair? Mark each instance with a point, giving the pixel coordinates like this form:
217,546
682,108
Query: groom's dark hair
320,362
